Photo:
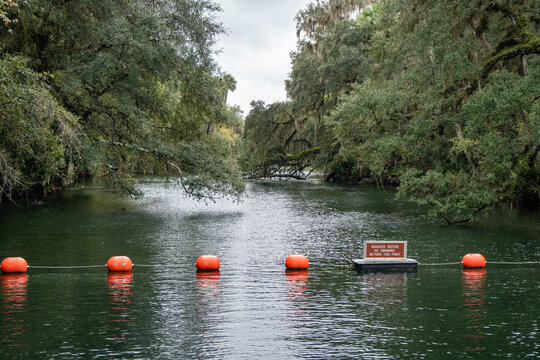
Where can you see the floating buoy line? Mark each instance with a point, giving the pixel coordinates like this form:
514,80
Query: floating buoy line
212,263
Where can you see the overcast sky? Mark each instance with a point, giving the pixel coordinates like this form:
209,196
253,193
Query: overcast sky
261,34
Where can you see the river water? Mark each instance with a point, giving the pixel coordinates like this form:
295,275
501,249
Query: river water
253,308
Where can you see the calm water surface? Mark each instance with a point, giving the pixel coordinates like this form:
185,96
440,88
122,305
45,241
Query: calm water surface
253,308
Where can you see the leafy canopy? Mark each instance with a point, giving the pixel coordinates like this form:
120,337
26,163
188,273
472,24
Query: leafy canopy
440,97
140,80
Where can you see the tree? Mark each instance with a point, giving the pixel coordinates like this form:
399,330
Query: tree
451,105
38,138
313,22
329,59
229,84
5,6
438,97
268,140
141,79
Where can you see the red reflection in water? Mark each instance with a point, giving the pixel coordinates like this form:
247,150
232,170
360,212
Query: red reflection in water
297,296
297,281
13,307
474,292
119,284
208,284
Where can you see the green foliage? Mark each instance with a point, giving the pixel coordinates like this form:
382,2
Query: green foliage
270,147
38,138
320,74
454,197
328,61
141,79
502,132
371,128
6,6
440,96
432,106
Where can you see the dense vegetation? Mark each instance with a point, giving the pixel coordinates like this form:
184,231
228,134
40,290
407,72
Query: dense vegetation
439,96
113,88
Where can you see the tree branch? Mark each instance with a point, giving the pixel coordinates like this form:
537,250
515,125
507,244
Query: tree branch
532,47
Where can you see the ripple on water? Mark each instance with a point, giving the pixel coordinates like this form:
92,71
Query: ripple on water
253,308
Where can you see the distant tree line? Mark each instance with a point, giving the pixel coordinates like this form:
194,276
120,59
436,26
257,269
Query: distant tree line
110,89
440,97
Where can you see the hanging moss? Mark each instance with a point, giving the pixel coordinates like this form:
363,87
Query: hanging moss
293,159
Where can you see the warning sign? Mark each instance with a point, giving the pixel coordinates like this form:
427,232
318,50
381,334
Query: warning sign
385,249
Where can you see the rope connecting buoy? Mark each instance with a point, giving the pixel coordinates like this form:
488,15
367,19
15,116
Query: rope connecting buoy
297,262
474,261
207,263
119,263
14,265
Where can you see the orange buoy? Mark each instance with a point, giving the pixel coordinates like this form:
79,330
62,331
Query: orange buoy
297,262
119,263
207,263
14,265
474,261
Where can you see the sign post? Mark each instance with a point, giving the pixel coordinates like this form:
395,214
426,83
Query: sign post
385,255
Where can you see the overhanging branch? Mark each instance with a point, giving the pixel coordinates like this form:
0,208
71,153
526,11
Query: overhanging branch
157,154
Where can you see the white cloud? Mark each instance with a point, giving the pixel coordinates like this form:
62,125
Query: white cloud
261,34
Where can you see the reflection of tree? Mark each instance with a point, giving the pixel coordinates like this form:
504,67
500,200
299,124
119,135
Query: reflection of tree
389,285
474,292
13,307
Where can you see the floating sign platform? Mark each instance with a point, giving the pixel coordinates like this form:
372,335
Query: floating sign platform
385,255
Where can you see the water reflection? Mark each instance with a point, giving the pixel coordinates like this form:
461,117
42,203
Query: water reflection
297,296
390,285
474,293
254,309
13,308
119,285
297,281
384,295
208,285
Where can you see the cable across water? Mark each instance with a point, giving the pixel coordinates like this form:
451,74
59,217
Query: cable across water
159,265
488,262
100,266
442,264
65,267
